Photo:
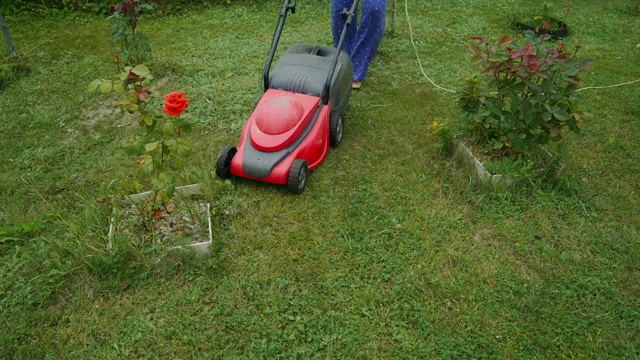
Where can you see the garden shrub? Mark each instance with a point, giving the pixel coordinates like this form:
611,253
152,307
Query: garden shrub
523,96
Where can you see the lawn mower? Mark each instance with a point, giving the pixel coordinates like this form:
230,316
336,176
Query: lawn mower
299,116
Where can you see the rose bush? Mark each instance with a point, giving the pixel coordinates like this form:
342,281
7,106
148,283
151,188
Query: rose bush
160,149
524,95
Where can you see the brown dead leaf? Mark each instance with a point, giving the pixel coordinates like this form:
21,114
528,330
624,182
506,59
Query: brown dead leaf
157,213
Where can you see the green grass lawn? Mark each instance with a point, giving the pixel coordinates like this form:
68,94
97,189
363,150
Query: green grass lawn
393,251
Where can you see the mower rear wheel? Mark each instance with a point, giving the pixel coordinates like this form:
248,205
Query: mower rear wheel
298,173
336,129
223,163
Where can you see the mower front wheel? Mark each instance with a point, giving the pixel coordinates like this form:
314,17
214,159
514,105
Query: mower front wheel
298,173
223,163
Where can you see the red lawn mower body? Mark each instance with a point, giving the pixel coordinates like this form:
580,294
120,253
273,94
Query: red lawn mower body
299,116
284,126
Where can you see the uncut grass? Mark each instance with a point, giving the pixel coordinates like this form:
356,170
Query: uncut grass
391,252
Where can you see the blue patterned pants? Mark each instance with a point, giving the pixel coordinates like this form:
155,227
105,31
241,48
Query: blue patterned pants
362,41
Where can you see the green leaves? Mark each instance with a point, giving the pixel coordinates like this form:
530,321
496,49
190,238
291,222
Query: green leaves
93,85
170,190
175,164
168,129
184,150
146,163
547,85
561,115
105,86
125,74
147,119
132,108
118,88
141,70
152,146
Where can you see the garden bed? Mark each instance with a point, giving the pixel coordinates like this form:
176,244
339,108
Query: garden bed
185,221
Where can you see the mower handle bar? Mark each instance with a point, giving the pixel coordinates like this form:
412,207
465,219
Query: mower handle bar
7,38
348,14
287,5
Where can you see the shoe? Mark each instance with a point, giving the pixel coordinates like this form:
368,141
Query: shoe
356,84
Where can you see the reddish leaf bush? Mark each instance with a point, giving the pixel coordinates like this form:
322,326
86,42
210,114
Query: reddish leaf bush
523,96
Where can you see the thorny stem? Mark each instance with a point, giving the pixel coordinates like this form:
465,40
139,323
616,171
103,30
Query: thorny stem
162,152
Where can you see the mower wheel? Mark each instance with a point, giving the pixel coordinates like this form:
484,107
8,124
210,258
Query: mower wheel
298,173
223,163
336,129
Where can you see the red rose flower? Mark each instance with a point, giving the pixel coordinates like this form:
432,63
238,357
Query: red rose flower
175,103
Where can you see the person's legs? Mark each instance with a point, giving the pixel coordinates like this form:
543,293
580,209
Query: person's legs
369,36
